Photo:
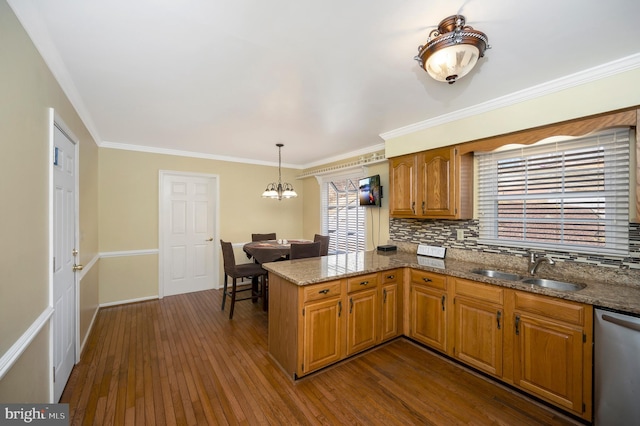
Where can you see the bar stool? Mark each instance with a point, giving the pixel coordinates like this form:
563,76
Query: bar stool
243,270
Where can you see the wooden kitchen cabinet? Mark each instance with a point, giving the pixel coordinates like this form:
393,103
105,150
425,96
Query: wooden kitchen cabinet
432,184
479,325
428,313
391,310
322,325
552,350
403,185
363,313
322,333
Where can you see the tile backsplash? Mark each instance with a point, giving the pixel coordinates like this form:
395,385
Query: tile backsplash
444,233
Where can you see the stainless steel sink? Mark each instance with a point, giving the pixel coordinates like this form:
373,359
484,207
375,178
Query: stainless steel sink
555,285
497,274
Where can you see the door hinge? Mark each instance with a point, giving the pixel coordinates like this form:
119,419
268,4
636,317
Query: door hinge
584,407
302,368
584,337
302,311
54,264
54,373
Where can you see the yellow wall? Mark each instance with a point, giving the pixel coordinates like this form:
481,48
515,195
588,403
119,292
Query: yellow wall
129,186
608,94
28,91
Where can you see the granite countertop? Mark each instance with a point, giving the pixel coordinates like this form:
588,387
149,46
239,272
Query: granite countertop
601,289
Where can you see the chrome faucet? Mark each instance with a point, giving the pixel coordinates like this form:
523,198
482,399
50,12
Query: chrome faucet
535,261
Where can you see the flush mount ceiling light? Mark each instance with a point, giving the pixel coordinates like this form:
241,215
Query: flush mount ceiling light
452,50
279,190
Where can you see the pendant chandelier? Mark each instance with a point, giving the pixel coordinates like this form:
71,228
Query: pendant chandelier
452,50
279,190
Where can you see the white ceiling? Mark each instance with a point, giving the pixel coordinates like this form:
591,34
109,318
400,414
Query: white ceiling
231,78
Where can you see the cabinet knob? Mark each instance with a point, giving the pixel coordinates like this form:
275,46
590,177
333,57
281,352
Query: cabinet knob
325,291
426,280
364,283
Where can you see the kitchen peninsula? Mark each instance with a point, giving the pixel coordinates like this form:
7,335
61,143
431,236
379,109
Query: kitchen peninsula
323,310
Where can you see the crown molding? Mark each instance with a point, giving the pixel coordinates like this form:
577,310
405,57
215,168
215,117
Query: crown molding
593,74
357,153
32,22
179,153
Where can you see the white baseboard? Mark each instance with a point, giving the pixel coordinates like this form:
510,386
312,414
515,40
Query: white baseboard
86,336
124,302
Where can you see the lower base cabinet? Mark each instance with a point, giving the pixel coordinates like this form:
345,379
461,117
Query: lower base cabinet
314,326
540,344
552,351
322,333
428,309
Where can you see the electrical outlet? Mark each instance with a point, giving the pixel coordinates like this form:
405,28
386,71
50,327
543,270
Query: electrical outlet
460,235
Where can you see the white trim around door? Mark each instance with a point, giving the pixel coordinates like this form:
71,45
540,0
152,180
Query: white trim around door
195,261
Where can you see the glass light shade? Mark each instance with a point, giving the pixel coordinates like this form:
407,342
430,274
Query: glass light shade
289,193
453,62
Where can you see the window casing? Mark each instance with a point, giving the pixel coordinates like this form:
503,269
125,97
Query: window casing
342,217
571,195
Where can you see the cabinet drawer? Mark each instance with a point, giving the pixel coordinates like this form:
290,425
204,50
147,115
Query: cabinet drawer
391,276
548,307
428,278
322,291
362,282
478,291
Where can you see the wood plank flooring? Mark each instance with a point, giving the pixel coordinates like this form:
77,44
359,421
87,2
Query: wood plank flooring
181,361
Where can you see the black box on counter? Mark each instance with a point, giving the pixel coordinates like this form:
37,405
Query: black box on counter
387,247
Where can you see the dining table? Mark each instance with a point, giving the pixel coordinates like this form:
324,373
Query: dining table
270,250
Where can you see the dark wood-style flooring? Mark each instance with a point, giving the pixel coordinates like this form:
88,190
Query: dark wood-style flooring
181,361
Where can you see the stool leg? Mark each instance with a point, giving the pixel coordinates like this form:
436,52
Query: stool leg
233,298
224,291
265,292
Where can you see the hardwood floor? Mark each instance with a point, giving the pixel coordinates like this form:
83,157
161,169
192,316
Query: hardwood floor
181,361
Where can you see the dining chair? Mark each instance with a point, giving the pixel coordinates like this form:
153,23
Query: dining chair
263,237
324,243
242,270
303,250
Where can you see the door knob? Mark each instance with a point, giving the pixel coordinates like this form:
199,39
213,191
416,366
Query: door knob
210,239
77,267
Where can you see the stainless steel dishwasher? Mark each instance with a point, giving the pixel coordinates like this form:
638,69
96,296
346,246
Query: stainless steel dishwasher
616,368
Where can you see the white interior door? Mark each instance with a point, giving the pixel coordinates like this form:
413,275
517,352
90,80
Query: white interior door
64,252
188,234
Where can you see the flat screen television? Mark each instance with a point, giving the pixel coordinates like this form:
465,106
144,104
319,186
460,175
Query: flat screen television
370,191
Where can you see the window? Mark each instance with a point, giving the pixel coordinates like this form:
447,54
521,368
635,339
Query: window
342,217
571,195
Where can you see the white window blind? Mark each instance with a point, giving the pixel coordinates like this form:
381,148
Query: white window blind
568,196
342,217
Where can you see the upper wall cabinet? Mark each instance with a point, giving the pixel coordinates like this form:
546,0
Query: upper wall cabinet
432,184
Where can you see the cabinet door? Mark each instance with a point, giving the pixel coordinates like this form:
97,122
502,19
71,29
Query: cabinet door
548,360
322,335
436,182
402,174
478,334
389,316
362,320
428,316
